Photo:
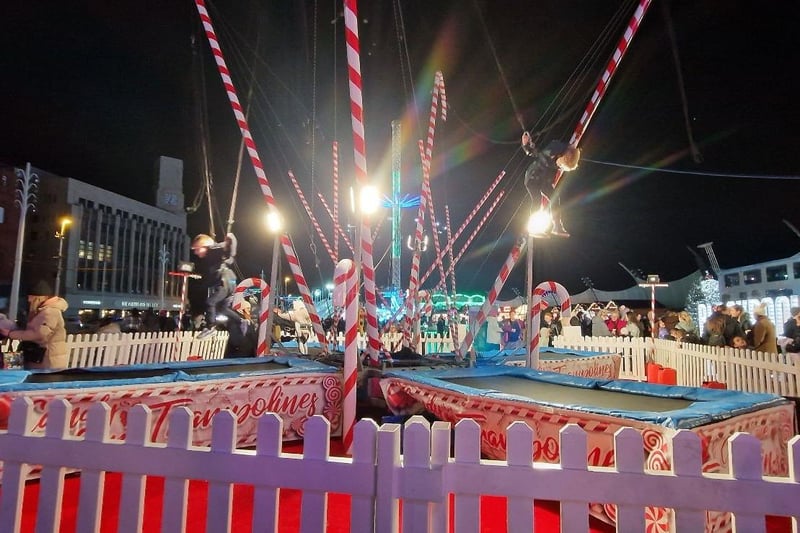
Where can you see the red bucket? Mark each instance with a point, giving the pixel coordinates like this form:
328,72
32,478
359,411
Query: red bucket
668,376
652,372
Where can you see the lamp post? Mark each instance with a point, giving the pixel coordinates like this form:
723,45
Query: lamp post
653,281
538,223
274,225
163,257
368,203
28,183
65,221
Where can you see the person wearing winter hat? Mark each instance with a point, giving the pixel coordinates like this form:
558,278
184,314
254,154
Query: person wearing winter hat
215,260
764,337
46,335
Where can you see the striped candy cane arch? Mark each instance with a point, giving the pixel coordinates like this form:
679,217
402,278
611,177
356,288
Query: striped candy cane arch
238,299
538,304
345,293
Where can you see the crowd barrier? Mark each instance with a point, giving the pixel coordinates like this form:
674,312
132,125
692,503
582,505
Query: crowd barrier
425,475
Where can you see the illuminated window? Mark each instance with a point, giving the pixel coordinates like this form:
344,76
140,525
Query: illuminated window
777,273
752,276
732,280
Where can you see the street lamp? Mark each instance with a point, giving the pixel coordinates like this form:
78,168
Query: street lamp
369,201
28,185
538,223
275,226
163,257
65,221
286,281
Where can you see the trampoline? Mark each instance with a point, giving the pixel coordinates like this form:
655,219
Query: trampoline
497,396
293,388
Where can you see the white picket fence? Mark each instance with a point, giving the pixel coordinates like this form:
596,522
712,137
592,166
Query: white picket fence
110,349
379,475
742,370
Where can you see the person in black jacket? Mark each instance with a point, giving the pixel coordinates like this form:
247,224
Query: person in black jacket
541,173
791,330
214,265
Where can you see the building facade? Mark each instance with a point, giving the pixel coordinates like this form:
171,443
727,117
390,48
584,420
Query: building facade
116,254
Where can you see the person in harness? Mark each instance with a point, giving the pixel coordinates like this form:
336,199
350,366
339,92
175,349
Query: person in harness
214,265
541,173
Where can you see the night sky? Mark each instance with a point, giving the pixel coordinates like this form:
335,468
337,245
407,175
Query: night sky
97,91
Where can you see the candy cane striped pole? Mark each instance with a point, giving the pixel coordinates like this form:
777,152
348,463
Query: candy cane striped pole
305,292
238,298
465,247
234,100
312,217
605,79
480,318
535,307
346,294
466,221
426,184
336,227
437,94
449,234
258,166
360,155
335,215
427,155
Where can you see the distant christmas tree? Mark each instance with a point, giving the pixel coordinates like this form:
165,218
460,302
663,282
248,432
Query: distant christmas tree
704,290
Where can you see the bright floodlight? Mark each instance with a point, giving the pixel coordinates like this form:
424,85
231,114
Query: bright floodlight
369,200
274,221
539,222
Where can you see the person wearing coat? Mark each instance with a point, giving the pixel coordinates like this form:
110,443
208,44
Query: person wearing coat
764,336
45,328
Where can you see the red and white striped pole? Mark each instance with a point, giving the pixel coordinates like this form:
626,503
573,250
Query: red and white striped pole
427,155
480,318
338,229
258,166
605,79
413,280
335,214
234,100
426,191
345,293
466,222
449,234
360,154
535,307
312,217
305,292
238,299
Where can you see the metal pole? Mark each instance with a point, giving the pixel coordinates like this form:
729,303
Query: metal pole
529,292
60,261
163,256
273,280
653,311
